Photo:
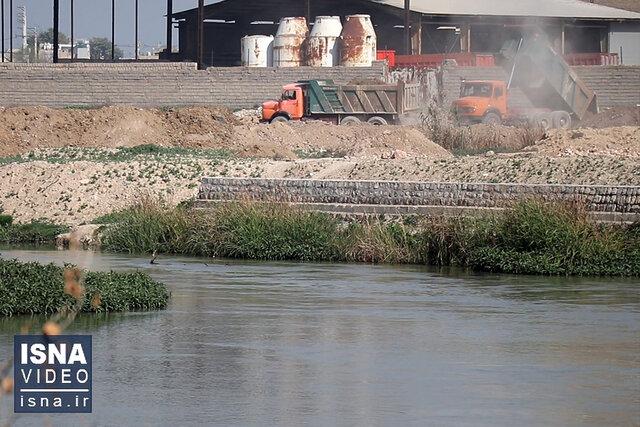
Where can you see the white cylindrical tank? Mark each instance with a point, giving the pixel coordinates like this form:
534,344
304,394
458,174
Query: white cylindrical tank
257,51
358,42
289,42
322,46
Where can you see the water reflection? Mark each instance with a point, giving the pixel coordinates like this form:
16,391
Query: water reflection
281,343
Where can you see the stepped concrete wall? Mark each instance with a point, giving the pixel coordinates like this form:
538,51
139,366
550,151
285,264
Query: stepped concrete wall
608,202
158,84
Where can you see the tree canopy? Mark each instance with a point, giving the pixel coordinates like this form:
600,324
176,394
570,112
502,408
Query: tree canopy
101,49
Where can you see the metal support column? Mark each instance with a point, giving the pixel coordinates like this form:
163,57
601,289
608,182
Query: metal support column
56,30
113,30
200,27
11,30
136,30
308,11
2,25
72,34
169,27
407,27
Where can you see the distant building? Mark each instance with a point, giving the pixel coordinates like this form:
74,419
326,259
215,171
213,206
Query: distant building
437,26
82,50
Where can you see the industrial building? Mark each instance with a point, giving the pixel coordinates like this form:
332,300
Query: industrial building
435,26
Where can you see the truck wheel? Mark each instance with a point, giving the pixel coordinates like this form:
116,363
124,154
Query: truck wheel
280,119
378,121
561,120
350,121
544,120
491,119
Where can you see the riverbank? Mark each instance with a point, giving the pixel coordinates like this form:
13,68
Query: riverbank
532,237
32,288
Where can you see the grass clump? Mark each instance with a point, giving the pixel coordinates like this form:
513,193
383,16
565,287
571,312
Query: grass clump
533,237
541,238
35,232
33,288
442,127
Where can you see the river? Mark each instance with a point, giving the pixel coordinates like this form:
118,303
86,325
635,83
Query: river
247,343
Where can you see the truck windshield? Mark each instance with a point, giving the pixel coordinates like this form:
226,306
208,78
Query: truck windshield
482,90
288,94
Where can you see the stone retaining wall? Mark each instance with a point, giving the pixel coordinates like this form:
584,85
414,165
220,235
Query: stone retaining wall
599,199
158,84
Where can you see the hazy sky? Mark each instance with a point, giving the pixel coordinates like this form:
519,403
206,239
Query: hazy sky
93,19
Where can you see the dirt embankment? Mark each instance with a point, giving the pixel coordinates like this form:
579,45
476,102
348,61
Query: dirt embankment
25,129
612,117
75,185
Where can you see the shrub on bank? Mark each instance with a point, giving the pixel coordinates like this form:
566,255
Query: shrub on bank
32,288
542,238
533,237
35,232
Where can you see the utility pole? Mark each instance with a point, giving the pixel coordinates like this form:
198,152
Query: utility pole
22,20
200,27
56,28
72,33
136,17
407,27
113,30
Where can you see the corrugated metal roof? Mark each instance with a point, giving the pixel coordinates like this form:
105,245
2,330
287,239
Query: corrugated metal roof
534,8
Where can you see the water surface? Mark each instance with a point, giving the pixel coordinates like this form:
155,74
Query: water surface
322,344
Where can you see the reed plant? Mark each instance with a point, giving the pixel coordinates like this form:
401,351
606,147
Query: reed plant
532,237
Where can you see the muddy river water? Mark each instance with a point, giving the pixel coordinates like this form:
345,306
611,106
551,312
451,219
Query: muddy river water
324,344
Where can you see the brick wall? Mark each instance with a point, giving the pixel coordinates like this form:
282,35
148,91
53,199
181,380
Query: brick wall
158,84
615,86
622,200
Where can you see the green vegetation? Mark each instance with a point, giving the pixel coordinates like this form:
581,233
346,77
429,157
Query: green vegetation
531,238
121,154
35,232
32,288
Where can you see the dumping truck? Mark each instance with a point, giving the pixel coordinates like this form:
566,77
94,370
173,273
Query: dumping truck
556,92
377,104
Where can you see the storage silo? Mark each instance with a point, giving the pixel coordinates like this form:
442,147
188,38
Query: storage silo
289,42
322,46
358,42
257,51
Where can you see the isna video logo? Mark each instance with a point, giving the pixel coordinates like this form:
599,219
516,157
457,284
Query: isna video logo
52,374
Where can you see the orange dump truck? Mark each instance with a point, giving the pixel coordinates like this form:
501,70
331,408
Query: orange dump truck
556,92
377,104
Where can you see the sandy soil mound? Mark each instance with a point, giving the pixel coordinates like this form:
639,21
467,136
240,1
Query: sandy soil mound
618,116
317,139
26,129
619,141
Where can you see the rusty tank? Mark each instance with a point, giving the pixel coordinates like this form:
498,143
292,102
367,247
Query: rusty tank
289,43
358,43
322,48
257,51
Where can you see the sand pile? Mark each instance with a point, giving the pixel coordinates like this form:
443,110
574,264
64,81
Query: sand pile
610,117
318,139
618,141
26,129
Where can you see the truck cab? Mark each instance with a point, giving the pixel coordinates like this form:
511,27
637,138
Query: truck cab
482,101
289,107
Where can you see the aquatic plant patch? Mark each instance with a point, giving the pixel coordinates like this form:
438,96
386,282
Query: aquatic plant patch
33,288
